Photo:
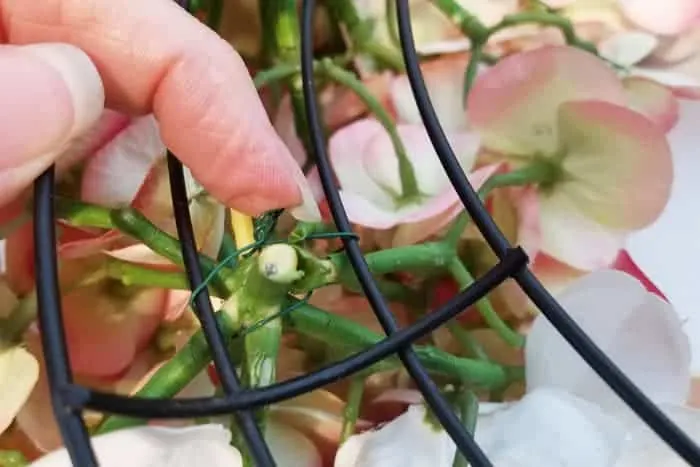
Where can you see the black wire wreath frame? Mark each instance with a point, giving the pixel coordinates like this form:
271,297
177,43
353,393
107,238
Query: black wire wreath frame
70,400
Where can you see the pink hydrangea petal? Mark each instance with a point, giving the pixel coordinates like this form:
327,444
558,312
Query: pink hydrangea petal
114,175
153,200
682,85
653,100
625,263
677,48
514,104
529,228
343,105
345,149
104,333
641,333
572,238
416,232
141,254
383,166
444,79
364,212
619,161
663,18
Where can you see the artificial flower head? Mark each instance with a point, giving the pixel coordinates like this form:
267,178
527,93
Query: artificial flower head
157,447
367,168
604,169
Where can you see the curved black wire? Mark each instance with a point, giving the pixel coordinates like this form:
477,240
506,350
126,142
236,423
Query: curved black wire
53,339
444,413
567,327
205,313
68,400
196,407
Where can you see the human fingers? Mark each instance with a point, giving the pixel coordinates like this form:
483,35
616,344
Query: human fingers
50,93
154,57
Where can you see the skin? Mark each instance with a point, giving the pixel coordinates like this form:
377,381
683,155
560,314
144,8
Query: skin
151,57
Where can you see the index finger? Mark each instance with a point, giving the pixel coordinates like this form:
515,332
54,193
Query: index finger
154,57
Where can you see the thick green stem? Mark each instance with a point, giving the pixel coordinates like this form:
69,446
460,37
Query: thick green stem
409,184
360,32
407,258
131,274
283,20
462,276
538,172
471,70
352,408
340,332
174,375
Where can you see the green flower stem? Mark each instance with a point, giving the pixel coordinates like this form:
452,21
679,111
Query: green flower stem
538,172
433,255
339,332
82,214
280,72
214,12
345,13
462,276
136,225
469,24
467,341
131,274
12,459
175,374
545,18
352,408
409,184
469,412
281,18
471,70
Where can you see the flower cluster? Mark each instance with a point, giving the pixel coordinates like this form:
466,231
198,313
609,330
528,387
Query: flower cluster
572,119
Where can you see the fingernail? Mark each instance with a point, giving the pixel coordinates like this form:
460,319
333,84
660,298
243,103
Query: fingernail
81,79
51,93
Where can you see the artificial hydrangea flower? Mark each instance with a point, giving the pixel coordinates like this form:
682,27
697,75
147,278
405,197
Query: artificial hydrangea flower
565,399
610,166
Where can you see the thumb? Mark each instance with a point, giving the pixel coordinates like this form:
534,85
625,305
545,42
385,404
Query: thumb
50,93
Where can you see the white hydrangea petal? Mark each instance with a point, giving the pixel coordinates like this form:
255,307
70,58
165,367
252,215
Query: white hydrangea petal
407,441
550,428
640,332
157,447
644,447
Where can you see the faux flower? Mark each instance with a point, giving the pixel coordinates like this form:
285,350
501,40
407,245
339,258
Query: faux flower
370,185
157,447
434,33
565,399
609,167
662,18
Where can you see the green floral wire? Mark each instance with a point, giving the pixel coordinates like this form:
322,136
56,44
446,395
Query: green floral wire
279,315
232,258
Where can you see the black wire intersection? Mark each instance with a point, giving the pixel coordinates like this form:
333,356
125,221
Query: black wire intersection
70,400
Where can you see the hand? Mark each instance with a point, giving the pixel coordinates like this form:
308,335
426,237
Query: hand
63,61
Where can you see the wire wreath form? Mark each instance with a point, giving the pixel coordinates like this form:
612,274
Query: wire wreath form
70,400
